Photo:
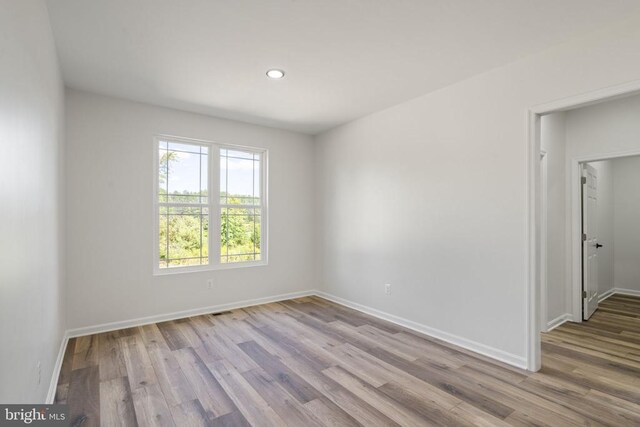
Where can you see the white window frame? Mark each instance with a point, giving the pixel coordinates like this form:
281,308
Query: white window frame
214,206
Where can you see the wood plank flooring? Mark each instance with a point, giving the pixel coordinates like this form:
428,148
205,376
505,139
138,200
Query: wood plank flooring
310,362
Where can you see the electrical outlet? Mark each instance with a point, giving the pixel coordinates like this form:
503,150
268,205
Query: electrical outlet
39,369
387,289
210,284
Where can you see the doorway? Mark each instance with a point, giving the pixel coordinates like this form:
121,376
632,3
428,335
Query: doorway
574,246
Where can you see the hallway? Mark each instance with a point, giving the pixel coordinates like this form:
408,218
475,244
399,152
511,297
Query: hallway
594,367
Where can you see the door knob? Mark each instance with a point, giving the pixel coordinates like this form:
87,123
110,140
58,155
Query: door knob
598,245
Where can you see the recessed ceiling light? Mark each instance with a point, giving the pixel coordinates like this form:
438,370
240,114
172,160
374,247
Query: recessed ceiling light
275,74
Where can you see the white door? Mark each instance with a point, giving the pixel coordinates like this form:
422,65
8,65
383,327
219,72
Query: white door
590,243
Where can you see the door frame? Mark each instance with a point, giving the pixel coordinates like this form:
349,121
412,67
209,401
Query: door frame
544,161
534,212
576,224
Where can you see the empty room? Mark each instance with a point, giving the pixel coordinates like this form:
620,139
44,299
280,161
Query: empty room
319,212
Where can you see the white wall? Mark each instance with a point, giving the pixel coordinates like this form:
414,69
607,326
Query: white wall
552,142
439,188
608,127
626,178
110,154
605,225
31,193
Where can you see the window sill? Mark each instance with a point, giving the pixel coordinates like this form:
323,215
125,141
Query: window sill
201,268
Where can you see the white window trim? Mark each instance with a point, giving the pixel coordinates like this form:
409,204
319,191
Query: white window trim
214,206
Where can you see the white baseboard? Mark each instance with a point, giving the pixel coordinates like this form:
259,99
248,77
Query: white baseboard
619,291
53,385
494,353
630,292
552,324
606,295
113,326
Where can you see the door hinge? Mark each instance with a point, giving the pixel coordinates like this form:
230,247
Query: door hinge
584,180
584,237
584,294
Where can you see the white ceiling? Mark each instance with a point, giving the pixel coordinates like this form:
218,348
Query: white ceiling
343,58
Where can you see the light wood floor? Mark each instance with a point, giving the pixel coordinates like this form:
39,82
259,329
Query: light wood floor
310,362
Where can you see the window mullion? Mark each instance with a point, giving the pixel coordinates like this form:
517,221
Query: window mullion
264,233
239,206
214,205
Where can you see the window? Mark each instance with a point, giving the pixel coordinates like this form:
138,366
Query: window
210,205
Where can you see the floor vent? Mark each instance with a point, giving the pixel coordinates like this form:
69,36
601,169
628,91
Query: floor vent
221,313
